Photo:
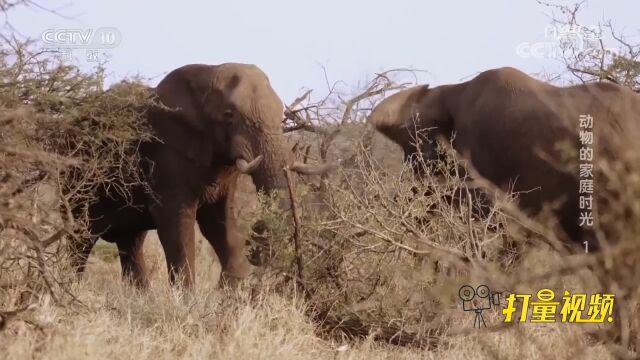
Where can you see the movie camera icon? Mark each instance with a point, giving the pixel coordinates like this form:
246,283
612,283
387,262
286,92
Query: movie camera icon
485,300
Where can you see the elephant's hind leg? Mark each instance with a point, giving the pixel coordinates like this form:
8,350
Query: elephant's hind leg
130,248
219,226
80,250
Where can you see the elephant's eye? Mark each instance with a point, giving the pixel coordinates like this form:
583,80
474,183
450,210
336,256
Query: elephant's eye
227,117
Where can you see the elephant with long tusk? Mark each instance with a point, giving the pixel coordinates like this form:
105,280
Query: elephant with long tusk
248,167
212,123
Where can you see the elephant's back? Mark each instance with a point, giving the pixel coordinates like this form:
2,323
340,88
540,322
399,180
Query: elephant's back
510,83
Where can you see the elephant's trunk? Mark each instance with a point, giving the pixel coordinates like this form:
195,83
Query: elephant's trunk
269,175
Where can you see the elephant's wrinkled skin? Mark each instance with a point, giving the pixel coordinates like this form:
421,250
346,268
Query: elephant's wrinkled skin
220,120
503,120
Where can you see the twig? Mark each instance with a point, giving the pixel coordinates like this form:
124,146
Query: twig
296,222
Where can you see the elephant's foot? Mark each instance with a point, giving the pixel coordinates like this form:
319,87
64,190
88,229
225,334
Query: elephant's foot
239,268
137,281
229,282
241,273
261,277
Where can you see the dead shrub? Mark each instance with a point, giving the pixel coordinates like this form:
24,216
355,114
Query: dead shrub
63,141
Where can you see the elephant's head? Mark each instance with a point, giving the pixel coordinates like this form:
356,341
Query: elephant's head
413,118
226,115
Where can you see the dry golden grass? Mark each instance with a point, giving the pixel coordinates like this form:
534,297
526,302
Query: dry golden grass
115,322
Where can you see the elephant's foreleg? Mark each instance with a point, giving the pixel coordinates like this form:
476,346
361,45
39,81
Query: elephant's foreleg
130,248
175,225
219,225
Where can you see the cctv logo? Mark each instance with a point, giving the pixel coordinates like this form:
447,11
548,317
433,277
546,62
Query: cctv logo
101,38
478,300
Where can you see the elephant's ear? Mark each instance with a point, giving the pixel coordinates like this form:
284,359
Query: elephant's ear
179,121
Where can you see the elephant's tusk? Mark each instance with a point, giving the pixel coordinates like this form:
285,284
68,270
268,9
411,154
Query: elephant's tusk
248,167
307,169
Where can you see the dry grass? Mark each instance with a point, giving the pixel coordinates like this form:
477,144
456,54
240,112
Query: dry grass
115,322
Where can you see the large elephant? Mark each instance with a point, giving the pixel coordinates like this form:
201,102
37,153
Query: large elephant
511,127
214,122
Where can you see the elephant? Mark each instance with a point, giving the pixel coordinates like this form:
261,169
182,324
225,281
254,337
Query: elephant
511,129
211,124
